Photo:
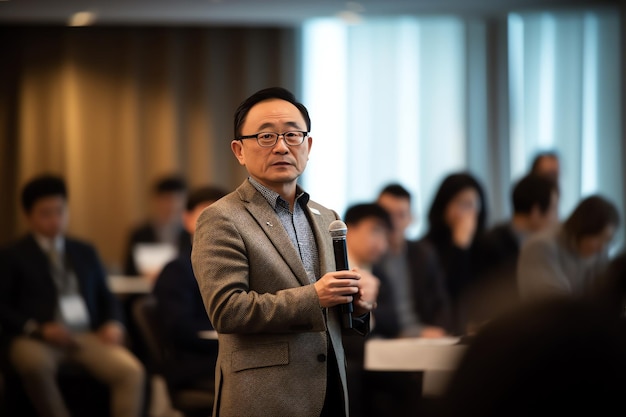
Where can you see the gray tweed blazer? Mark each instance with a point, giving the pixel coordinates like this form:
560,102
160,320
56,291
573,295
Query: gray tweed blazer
273,335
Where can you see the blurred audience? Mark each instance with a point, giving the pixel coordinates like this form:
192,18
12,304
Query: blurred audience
55,306
190,359
535,202
366,241
412,300
163,226
456,219
548,164
568,259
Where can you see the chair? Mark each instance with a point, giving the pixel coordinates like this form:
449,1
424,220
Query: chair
189,401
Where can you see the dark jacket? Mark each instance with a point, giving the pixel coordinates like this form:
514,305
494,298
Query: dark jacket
427,289
182,314
27,290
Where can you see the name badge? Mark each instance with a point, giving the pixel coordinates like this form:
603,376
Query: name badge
74,311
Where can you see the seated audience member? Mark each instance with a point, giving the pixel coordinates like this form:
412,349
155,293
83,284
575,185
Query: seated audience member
412,300
55,306
366,241
568,259
456,219
163,226
560,356
547,164
535,208
190,361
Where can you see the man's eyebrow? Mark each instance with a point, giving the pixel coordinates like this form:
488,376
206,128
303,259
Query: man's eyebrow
273,126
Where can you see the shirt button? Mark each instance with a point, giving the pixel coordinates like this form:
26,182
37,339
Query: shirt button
321,357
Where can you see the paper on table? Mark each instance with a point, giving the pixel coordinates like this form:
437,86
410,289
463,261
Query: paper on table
152,257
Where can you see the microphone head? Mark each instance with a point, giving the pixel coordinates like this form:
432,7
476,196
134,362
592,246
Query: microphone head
338,229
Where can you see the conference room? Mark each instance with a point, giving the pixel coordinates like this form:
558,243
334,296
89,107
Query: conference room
114,96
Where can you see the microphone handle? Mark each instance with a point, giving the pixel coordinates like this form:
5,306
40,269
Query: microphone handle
341,264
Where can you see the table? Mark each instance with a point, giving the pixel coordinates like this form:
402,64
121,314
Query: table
207,334
126,284
437,358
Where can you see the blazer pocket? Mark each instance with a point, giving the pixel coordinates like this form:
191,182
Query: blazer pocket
260,356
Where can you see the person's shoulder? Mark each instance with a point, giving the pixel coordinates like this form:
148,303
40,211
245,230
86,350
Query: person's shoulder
545,241
177,272
78,242
17,246
499,229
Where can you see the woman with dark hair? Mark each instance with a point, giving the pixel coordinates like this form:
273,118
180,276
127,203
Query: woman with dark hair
569,259
456,218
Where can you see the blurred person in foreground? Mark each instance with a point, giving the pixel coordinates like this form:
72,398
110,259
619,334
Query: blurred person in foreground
264,261
55,306
568,259
412,300
557,356
190,359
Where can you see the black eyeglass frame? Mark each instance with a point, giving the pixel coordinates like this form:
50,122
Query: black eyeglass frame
278,135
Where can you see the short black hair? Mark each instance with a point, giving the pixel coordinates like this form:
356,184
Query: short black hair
44,185
553,154
533,190
170,184
204,195
267,94
357,212
590,217
396,190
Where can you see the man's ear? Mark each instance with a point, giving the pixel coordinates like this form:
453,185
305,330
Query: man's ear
237,147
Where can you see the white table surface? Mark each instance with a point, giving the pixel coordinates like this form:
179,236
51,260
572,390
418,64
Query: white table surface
437,358
208,334
125,284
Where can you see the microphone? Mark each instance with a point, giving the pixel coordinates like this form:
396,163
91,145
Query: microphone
338,231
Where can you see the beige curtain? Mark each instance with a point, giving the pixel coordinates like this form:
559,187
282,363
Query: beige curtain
111,109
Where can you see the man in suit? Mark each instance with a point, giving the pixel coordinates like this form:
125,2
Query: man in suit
535,201
263,258
367,240
412,300
55,306
190,359
164,225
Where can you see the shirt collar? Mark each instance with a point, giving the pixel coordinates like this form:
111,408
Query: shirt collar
273,197
46,243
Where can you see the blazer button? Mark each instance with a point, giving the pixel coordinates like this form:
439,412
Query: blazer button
321,357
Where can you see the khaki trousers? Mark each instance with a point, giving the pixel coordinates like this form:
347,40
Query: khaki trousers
36,362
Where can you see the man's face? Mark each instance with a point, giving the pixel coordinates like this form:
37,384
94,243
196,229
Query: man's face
48,216
280,164
367,240
399,208
168,206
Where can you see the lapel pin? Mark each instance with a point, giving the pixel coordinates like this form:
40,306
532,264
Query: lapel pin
269,224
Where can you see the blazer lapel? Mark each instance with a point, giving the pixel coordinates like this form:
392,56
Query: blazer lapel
267,219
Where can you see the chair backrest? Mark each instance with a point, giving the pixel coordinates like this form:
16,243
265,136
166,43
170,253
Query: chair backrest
191,402
145,315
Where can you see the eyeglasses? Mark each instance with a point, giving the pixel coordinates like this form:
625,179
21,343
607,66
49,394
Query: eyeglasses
269,139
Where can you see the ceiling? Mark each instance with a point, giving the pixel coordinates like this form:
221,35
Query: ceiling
254,12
